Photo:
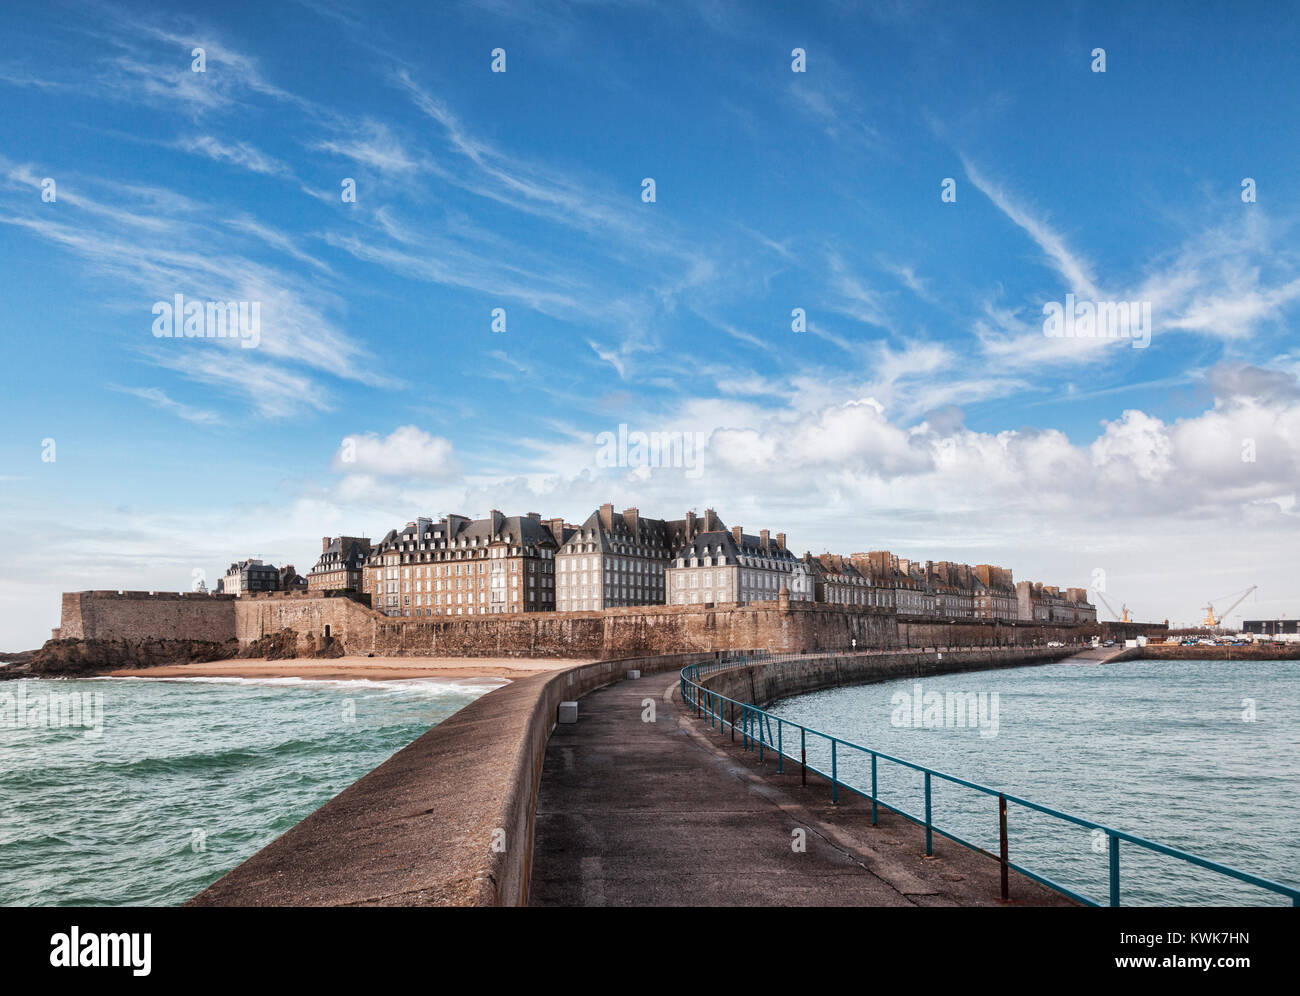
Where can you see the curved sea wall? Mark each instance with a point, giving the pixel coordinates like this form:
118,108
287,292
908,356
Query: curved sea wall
446,821
762,683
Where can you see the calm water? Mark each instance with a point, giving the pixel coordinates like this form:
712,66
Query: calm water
1162,749
184,778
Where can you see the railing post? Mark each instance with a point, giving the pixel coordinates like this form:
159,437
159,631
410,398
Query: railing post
733,721
803,757
1002,840
835,782
758,721
1114,870
873,788
780,751
929,832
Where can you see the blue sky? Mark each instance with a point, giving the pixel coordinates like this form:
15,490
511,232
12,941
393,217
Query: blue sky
923,410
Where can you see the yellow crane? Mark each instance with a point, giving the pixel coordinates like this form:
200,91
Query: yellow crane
1210,619
1122,615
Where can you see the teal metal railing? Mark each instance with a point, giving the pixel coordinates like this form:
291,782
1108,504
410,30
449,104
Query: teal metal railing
767,733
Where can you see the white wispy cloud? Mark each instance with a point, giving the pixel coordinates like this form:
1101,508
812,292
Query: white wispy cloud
159,399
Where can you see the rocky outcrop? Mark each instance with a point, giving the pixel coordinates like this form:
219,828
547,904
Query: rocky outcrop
289,643
72,658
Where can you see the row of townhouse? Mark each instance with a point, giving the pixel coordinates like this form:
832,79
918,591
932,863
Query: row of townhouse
507,564
942,589
1048,604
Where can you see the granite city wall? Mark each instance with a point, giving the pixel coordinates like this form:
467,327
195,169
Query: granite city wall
136,616
612,633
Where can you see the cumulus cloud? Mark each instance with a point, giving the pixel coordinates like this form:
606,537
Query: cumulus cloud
407,451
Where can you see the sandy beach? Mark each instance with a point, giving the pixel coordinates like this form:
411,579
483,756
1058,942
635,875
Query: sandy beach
369,668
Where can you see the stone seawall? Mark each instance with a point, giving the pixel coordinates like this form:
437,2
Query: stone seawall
446,821
1177,652
311,621
764,683
449,820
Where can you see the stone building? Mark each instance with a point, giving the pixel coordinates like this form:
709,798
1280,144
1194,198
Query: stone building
837,580
954,589
246,576
880,569
916,595
1043,603
342,559
291,580
995,594
1084,610
462,566
720,565
615,558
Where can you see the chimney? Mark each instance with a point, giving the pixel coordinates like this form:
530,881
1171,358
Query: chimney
556,526
455,523
690,526
738,534
325,543
535,516
763,540
780,540
632,517
607,516
710,520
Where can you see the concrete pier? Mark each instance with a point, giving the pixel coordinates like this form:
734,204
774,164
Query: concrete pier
669,812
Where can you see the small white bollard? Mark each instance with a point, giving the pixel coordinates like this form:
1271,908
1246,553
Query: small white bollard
633,675
568,712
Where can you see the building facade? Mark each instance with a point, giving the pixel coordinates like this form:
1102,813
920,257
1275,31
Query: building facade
1042,603
461,566
838,581
995,593
342,561
720,565
615,559
247,576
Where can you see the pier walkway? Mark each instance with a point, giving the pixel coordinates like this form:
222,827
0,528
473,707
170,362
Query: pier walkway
670,812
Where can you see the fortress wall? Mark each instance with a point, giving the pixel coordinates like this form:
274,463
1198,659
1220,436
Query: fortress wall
350,622
612,633
136,616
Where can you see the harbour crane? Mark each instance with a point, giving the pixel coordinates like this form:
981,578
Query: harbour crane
1210,619
1122,615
